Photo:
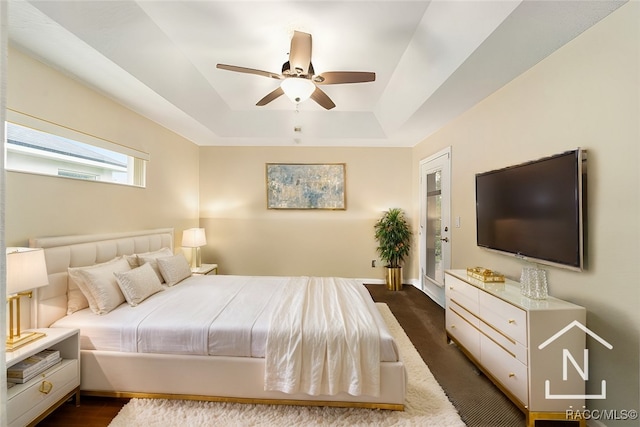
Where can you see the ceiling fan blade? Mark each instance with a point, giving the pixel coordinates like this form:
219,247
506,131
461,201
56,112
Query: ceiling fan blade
300,53
339,77
322,98
270,96
249,71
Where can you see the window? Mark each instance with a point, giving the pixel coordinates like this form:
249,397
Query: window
37,146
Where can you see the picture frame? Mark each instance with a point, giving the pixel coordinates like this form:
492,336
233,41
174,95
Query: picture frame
306,186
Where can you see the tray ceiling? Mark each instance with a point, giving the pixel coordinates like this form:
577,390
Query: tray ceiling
433,60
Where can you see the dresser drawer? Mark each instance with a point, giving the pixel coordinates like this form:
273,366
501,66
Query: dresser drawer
462,293
507,318
510,345
26,401
465,331
505,368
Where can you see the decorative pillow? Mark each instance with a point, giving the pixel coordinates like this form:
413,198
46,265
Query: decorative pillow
101,286
174,268
132,260
78,296
156,254
75,298
151,257
138,284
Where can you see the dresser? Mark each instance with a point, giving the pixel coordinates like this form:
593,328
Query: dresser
529,348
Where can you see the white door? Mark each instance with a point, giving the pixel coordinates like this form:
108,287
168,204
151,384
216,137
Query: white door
435,223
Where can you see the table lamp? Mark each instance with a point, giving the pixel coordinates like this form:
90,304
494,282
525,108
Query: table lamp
194,238
26,270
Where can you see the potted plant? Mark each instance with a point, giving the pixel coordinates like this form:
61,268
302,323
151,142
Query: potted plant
394,244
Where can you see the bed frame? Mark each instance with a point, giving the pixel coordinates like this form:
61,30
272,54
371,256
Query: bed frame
215,378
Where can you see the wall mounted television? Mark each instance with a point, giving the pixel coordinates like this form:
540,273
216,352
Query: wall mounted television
536,210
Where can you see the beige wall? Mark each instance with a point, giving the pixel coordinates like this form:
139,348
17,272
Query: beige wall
43,206
586,94
244,237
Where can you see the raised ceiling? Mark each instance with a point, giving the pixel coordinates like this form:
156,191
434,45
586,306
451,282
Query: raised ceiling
433,60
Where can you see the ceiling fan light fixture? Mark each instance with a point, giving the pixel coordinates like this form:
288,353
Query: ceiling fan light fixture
297,89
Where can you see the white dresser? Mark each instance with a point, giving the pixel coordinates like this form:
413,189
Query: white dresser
519,343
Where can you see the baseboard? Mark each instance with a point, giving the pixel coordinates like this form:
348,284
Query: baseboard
372,281
412,282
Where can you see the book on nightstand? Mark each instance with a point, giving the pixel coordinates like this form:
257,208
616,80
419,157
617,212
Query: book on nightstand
28,368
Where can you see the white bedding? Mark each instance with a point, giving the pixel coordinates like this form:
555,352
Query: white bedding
330,345
226,315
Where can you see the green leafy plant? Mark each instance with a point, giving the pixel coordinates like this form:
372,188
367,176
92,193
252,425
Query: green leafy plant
393,234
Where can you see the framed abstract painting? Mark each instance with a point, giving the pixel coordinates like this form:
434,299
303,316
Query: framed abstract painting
306,186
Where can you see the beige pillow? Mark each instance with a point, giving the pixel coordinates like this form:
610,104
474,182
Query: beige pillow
132,260
78,296
174,268
100,286
151,257
138,284
75,298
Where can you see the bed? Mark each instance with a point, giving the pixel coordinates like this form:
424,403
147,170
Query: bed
118,360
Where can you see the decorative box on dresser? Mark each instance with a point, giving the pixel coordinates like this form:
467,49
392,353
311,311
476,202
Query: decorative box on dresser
29,403
520,343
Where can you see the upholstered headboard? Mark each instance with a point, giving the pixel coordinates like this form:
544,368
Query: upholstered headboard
82,250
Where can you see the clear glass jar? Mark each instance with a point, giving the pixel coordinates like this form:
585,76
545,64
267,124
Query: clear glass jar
533,283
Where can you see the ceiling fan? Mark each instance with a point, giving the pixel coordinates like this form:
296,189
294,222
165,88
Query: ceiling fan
299,81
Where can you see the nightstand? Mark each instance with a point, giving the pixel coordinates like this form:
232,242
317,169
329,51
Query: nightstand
206,269
29,403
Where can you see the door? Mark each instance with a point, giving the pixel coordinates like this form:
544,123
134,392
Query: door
435,223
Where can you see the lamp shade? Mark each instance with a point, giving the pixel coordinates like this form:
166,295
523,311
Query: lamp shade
26,269
297,89
194,238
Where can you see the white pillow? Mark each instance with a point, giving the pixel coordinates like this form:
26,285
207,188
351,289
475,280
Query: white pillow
174,268
102,287
75,298
78,296
135,262
138,284
151,257
132,260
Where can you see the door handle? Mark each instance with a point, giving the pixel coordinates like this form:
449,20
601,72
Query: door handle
445,239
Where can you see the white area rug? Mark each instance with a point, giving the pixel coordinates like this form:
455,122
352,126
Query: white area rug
426,404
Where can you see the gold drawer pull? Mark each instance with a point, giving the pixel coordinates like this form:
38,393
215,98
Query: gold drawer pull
512,321
511,375
46,387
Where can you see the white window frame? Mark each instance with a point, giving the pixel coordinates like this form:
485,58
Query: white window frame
137,159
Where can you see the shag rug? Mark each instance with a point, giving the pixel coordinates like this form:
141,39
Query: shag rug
426,404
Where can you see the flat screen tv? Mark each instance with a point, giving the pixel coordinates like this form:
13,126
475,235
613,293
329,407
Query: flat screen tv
535,210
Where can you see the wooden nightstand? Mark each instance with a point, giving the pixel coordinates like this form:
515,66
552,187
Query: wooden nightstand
29,403
206,269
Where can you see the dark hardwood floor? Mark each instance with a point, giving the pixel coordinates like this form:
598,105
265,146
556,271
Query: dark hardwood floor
478,401
92,412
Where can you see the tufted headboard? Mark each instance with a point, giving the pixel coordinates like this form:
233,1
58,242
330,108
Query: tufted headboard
82,250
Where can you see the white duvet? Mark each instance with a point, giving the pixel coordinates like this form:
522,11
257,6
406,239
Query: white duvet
247,316
323,339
